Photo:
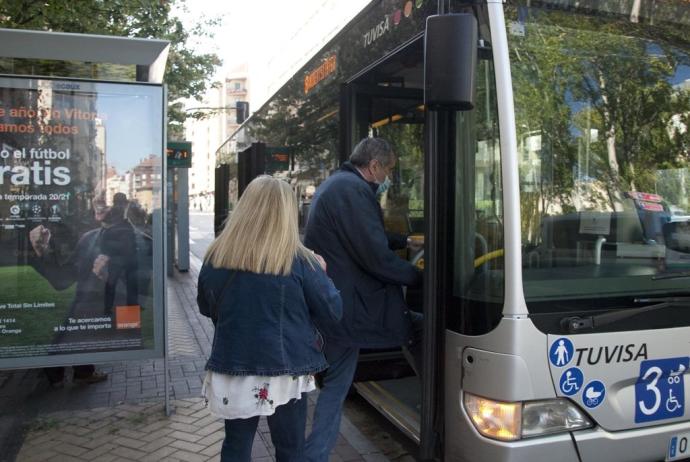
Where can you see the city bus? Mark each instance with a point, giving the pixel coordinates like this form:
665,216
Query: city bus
554,204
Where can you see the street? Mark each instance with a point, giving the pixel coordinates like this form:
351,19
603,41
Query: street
200,232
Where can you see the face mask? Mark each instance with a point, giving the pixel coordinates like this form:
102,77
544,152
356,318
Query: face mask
383,187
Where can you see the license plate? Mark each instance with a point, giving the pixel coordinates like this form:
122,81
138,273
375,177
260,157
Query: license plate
678,447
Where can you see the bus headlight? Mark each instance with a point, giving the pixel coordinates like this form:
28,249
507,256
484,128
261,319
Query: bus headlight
552,416
513,421
494,419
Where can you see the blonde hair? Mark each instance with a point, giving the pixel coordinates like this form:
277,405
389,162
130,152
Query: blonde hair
261,235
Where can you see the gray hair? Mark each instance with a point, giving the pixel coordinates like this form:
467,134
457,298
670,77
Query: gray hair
369,149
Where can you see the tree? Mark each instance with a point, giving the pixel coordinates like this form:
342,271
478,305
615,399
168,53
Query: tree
187,73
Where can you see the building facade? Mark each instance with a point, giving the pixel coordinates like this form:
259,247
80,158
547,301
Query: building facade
220,108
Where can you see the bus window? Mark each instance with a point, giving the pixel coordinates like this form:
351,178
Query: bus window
601,105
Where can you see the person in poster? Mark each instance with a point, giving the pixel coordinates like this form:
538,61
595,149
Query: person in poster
104,267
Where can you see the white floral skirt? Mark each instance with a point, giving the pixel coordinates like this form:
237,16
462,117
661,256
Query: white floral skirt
241,397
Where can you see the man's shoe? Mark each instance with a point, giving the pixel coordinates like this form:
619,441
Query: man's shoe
93,378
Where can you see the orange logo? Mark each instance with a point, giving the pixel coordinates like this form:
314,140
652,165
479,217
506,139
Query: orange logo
327,67
128,317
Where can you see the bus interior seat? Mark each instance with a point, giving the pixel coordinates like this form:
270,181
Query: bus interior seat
677,236
562,236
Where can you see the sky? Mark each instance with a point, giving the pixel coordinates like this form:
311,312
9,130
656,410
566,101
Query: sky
273,37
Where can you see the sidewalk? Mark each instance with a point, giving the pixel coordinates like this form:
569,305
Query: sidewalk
122,419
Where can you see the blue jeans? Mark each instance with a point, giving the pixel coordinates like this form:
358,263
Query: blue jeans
287,433
329,406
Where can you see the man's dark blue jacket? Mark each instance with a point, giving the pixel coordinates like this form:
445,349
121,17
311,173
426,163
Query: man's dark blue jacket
346,228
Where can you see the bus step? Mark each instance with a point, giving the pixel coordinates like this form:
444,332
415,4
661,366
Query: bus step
398,400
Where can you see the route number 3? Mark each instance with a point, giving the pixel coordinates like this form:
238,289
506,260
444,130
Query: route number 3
659,391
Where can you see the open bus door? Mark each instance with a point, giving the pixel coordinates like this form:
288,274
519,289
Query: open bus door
387,100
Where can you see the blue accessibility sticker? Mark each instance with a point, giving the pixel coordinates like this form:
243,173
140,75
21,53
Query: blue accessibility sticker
571,381
660,389
593,394
561,352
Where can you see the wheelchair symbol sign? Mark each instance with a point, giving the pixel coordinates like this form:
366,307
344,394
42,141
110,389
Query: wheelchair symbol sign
594,394
561,352
571,381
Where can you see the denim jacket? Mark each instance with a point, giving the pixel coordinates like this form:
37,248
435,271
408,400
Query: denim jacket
265,322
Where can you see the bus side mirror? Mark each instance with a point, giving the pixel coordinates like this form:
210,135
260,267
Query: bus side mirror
450,61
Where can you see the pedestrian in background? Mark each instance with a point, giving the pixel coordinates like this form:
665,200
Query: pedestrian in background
346,227
262,288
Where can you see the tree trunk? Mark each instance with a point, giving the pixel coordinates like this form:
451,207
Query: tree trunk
635,11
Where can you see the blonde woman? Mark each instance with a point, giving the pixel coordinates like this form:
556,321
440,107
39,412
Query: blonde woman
263,289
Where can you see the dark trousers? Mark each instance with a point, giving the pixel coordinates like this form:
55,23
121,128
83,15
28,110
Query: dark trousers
337,379
287,433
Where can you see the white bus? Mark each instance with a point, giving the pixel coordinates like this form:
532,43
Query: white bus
554,213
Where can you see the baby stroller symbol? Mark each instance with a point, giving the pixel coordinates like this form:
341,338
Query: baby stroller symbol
592,396
674,377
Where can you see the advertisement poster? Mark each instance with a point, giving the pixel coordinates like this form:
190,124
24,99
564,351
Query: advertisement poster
80,221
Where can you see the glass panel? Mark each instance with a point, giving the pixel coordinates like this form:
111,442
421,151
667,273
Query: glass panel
72,69
403,203
80,190
477,272
602,102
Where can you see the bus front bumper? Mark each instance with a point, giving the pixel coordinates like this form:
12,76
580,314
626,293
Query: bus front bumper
636,445
649,444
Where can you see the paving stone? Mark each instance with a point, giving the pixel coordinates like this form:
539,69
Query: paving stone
27,456
157,434
128,453
185,427
129,442
70,449
187,446
184,436
211,439
102,449
106,458
214,449
160,454
189,456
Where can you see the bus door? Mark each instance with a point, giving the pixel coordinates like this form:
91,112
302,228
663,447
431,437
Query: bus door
447,188
387,101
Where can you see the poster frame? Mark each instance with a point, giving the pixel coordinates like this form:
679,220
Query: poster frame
160,328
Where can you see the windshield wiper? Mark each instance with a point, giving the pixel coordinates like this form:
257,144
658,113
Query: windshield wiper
576,323
682,274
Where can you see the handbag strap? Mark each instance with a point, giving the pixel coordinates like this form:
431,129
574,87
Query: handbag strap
214,309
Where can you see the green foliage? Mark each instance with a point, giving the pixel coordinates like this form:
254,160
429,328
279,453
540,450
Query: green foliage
187,72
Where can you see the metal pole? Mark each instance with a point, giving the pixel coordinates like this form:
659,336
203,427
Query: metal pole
169,221
166,195
182,216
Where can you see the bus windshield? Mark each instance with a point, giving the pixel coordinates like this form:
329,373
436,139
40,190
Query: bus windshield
602,107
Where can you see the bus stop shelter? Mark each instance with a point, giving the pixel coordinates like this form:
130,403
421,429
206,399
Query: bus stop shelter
78,129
